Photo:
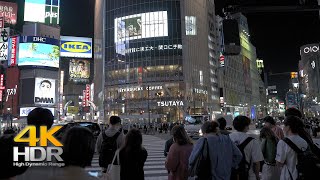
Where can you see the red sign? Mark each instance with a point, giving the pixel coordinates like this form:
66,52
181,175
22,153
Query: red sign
13,57
221,60
1,22
11,95
84,98
87,94
8,10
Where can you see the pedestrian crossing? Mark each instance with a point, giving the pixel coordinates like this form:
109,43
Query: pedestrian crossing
154,168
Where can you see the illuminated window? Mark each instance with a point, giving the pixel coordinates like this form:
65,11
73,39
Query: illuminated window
191,25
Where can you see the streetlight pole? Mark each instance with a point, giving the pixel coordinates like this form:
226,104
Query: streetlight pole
148,104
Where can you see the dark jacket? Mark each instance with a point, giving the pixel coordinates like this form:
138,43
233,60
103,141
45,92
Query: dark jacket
132,163
167,146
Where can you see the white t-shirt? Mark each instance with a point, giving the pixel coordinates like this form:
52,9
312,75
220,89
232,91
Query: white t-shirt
252,151
288,156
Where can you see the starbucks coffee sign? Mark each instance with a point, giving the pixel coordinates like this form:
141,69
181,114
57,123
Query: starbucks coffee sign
170,103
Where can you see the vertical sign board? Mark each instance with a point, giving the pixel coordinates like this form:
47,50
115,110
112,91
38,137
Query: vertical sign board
13,54
84,98
1,86
87,94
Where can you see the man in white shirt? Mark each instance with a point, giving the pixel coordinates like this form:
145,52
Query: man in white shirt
252,151
286,156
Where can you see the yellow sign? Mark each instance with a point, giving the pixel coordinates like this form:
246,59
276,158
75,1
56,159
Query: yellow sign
76,47
44,136
294,75
73,109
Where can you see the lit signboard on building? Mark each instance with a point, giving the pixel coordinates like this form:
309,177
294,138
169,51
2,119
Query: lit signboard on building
44,92
294,75
78,47
191,25
138,26
26,110
8,10
38,51
79,71
43,11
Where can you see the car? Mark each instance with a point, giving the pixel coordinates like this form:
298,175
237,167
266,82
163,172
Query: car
94,127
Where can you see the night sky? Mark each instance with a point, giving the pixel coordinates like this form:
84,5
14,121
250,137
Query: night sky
277,36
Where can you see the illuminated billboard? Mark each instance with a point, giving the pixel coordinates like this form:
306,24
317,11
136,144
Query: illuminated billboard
78,47
44,11
44,91
138,26
79,71
24,111
38,51
8,10
191,25
3,51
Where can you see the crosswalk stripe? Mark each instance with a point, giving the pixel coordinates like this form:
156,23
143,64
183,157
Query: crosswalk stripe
154,168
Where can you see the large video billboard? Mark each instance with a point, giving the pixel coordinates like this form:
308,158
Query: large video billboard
79,71
8,10
44,91
138,26
78,47
44,11
38,51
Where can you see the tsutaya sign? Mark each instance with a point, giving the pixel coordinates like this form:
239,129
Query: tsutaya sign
140,88
170,103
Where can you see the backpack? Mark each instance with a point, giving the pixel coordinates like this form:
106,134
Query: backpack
200,168
108,149
308,163
242,173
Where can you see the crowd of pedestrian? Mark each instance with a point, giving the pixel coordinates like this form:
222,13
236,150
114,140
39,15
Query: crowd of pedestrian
284,154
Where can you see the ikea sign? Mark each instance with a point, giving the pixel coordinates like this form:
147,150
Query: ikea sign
78,47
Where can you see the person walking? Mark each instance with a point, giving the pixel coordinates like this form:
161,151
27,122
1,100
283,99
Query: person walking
286,157
270,170
224,154
249,166
109,141
132,156
271,123
179,153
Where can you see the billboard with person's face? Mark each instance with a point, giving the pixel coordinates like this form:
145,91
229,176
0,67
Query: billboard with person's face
44,92
79,71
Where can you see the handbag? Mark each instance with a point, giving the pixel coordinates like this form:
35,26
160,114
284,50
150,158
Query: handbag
113,172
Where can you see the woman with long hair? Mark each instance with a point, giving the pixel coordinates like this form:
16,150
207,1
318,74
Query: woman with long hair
132,156
269,141
179,153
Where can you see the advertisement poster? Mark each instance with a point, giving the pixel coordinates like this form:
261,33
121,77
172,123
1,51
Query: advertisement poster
144,25
44,92
44,11
13,41
26,110
8,10
38,51
78,47
79,71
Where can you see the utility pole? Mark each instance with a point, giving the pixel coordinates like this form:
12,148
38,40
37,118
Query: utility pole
194,98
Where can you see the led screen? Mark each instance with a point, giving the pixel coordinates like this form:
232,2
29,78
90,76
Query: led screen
144,25
79,71
44,11
38,51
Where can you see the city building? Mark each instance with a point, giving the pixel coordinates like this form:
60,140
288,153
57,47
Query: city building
158,59
241,86
310,79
